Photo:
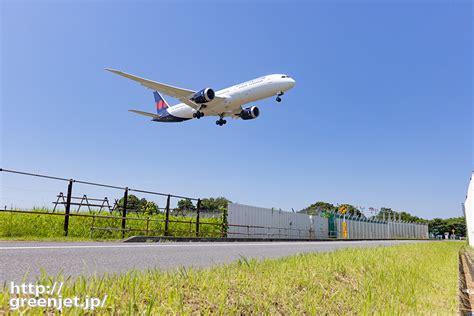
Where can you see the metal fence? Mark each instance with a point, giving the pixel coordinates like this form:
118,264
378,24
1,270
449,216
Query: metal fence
117,217
366,228
257,222
174,221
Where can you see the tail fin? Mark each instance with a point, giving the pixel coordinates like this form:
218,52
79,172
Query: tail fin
160,102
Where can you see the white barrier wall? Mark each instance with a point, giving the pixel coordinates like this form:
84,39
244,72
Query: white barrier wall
468,208
257,222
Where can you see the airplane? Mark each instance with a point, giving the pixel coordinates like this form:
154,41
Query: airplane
227,102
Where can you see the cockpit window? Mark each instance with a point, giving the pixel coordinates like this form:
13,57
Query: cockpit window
285,76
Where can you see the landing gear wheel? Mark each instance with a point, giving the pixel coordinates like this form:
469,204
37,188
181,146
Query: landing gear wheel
279,94
221,122
198,114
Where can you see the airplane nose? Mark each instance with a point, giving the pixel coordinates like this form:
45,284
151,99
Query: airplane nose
292,83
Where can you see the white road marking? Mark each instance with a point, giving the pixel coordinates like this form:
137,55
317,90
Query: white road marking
186,245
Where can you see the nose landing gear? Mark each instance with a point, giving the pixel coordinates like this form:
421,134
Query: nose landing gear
278,99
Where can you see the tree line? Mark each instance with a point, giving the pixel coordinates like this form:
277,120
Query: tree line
145,206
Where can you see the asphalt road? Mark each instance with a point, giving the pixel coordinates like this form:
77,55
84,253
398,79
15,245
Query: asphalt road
19,260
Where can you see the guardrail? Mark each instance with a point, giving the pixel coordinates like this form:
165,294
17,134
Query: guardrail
192,222
126,190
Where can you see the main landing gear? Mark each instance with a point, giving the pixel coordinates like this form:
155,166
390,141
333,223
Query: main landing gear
278,99
221,121
198,114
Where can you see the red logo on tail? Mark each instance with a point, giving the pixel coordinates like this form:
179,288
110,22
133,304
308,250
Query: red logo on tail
161,105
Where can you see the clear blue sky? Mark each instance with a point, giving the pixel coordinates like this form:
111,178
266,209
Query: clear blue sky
381,114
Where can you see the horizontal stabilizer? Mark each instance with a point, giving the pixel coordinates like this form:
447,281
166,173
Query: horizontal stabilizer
145,113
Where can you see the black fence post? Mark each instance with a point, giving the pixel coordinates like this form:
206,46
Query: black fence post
124,211
198,210
68,207
167,219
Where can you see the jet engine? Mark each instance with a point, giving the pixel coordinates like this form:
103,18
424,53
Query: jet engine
249,113
203,96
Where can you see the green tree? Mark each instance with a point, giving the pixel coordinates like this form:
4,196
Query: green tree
458,224
138,205
133,203
321,206
185,205
214,204
318,207
149,207
438,226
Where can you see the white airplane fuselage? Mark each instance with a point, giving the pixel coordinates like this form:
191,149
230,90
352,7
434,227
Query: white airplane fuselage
236,96
227,102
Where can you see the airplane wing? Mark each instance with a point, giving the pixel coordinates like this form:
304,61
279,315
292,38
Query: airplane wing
174,92
184,95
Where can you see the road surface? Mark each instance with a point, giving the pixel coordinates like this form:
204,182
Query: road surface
26,259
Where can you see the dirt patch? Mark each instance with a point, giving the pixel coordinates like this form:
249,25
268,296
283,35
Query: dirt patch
466,283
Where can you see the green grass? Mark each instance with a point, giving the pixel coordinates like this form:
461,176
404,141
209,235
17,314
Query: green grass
51,227
407,279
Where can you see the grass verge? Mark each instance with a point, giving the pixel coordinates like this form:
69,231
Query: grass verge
417,278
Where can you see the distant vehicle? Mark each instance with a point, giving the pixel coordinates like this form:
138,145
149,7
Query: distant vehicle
227,102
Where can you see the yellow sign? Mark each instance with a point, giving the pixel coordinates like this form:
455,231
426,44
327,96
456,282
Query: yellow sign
344,230
343,209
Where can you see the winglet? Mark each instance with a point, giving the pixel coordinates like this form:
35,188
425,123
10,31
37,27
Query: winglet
118,72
